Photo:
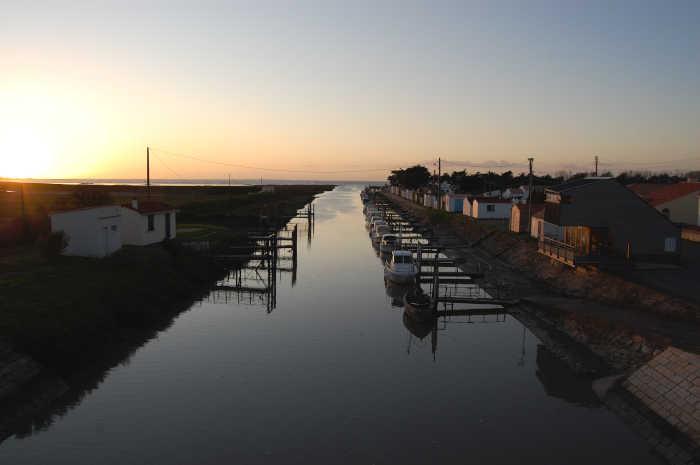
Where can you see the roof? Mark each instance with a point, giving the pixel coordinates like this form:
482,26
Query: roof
492,200
150,206
657,194
535,206
575,183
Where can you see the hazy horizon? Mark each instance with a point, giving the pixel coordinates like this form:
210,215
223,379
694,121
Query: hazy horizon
334,91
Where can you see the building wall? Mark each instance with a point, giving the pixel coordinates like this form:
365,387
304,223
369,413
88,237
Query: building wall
683,209
467,207
91,232
629,219
135,226
480,210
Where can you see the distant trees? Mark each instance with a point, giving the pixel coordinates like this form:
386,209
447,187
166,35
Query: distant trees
410,178
478,182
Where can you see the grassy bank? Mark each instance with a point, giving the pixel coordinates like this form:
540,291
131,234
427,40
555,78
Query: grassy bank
61,310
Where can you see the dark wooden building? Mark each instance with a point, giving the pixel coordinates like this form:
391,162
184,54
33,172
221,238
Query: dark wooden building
594,220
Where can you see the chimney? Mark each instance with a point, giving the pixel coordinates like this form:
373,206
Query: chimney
135,204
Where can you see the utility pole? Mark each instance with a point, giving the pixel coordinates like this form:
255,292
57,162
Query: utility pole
529,199
596,165
439,192
148,171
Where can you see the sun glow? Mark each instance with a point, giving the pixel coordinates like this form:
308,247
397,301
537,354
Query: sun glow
24,153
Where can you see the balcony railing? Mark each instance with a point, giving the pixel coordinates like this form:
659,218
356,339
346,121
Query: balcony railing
558,250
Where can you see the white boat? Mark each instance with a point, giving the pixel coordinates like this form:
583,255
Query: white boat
388,243
375,224
379,231
400,268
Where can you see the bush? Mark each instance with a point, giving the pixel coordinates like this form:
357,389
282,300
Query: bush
53,244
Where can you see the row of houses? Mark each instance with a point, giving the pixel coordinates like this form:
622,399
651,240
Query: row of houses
589,220
101,231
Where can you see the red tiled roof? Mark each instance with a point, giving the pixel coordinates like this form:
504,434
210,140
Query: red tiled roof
150,206
657,194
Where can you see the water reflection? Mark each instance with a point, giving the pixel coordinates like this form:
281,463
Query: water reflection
325,378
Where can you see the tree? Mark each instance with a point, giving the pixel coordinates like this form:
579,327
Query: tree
410,178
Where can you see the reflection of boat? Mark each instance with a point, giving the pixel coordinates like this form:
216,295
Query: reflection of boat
397,292
419,328
418,305
400,268
388,243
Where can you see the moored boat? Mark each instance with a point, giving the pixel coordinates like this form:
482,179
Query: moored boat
400,268
417,305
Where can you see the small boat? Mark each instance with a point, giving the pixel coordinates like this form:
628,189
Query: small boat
400,268
388,243
379,231
418,306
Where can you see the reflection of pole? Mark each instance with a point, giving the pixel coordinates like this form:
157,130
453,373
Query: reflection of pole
434,339
521,362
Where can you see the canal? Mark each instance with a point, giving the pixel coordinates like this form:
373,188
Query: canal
331,374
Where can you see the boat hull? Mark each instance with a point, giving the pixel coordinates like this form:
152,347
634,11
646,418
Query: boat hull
399,278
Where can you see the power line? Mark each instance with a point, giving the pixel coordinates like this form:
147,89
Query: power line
259,168
162,162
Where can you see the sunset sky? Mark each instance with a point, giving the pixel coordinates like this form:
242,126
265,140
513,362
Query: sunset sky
327,89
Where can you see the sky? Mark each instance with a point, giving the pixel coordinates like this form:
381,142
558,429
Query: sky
345,90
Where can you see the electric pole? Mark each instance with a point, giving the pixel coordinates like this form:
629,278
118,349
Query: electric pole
439,192
148,171
529,199
596,166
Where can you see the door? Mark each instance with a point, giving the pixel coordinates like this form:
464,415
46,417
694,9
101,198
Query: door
167,225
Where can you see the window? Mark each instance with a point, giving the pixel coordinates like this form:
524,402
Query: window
490,208
151,223
670,244
114,227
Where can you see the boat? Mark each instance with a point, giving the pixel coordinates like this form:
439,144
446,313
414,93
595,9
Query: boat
388,243
379,231
418,306
400,268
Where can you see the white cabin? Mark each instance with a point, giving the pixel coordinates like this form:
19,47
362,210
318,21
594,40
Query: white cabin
490,208
90,232
147,222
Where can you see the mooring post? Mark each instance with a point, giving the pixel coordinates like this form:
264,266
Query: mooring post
420,262
436,281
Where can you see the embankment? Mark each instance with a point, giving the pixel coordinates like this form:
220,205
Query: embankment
518,254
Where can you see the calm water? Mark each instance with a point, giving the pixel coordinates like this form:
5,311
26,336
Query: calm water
332,375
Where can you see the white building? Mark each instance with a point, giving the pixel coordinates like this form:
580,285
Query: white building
454,202
516,194
147,222
90,232
485,208
467,206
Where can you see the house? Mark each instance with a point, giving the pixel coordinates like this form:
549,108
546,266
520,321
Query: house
454,202
430,200
490,208
519,213
593,220
467,206
147,222
679,201
516,194
90,232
